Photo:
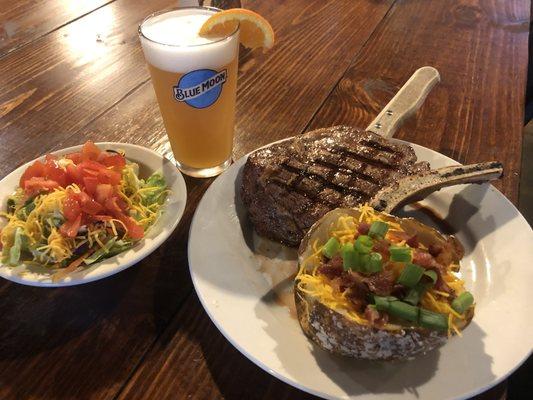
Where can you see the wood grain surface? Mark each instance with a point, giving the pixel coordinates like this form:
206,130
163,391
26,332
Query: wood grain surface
142,333
24,21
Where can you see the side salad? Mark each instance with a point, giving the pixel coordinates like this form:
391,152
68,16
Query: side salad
78,209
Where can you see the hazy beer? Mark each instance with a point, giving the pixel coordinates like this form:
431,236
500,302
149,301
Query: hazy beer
195,82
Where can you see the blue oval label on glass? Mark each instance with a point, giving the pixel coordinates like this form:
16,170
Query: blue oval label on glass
200,88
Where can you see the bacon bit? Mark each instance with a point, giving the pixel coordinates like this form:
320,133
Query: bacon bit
371,314
376,318
435,249
382,247
363,228
413,241
442,286
332,269
357,302
399,291
424,259
398,236
355,282
381,283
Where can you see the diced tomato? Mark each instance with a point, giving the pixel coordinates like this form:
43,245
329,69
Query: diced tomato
109,176
91,165
55,172
88,204
100,217
90,151
113,160
74,174
90,183
37,169
121,204
103,192
75,157
112,206
37,184
135,231
71,207
70,228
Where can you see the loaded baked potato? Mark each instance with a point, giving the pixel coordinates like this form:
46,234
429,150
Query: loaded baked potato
374,286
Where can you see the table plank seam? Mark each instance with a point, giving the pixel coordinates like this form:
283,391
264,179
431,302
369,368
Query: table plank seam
349,66
105,111
154,342
22,45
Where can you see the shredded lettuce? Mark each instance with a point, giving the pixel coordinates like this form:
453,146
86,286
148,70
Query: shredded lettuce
100,253
153,190
19,243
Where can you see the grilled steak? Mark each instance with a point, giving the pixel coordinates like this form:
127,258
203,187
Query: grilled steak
288,186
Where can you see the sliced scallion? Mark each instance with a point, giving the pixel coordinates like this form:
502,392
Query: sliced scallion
433,320
375,263
431,275
350,257
378,229
410,275
462,302
331,247
400,253
363,244
403,310
414,294
383,302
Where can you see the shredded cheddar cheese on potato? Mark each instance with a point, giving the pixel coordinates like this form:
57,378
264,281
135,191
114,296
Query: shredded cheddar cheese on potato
345,229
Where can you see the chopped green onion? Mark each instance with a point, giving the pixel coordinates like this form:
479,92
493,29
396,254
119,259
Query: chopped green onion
363,244
331,247
383,303
400,253
462,302
350,257
433,320
375,263
431,275
363,262
410,275
403,310
378,229
414,294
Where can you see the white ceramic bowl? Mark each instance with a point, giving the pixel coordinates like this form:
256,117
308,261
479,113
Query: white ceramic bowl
149,161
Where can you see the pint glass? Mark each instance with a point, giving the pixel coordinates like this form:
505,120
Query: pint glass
195,81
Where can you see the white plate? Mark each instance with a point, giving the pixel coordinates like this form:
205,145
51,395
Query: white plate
149,161
244,285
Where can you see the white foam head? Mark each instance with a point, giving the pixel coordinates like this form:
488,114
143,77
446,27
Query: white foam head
170,41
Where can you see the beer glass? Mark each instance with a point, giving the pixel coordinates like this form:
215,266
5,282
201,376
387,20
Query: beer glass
195,82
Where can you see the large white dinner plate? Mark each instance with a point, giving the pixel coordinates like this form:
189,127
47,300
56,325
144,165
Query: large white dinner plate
149,162
244,285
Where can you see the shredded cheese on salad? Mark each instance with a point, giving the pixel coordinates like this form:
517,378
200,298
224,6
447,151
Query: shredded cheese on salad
79,209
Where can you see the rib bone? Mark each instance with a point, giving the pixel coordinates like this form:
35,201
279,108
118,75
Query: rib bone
417,187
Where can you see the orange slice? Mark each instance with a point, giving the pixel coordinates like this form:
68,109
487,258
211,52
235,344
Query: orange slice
255,31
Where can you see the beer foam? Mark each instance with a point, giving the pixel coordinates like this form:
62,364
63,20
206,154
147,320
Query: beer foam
170,42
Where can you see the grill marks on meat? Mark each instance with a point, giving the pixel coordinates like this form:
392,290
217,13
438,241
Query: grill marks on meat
288,186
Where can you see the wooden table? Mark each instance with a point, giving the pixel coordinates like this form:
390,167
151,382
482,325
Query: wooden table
72,71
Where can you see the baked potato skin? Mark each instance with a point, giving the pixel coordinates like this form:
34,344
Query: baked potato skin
337,334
